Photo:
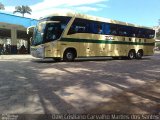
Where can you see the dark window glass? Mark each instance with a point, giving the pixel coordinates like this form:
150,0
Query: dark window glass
54,28
134,32
95,27
145,33
53,31
106,28
113,29
49,29
89,26
141,33
127,31
122,30
150,33
79,26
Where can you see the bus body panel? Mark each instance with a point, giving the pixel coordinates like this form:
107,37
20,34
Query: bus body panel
51,49
37,51
87,49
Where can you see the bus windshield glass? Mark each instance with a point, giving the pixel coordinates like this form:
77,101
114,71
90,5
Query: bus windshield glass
49,29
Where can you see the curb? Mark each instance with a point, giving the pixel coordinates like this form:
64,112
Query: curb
15,57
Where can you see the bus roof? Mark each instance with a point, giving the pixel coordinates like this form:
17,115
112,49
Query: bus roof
95,18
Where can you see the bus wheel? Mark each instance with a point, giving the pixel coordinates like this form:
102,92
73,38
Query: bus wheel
139,54
131,55
69,56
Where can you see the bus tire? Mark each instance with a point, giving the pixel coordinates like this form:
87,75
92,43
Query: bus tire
131,54
139,54
69,55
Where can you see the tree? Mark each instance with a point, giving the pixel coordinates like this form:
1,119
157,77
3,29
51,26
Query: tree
158,30
158,34
1,6
23,10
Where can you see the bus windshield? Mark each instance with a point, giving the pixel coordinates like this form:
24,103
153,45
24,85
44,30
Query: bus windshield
49,29
38,33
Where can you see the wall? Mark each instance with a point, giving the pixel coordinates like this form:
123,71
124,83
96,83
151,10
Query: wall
14,24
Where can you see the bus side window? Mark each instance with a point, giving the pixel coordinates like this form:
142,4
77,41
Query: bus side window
100,31
113,29
72,30
80,29
49,32
150,34
78,26
107,30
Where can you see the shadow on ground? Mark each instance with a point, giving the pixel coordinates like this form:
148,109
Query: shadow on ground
97,86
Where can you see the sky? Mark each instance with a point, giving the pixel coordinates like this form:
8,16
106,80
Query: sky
140,12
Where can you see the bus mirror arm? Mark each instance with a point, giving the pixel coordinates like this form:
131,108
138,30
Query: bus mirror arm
28,29
31,39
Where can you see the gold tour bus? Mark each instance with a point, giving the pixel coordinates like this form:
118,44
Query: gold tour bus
69,36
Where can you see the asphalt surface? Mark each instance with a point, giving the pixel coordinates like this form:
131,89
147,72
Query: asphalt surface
35,86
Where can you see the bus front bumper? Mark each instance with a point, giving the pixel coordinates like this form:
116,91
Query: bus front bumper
37,52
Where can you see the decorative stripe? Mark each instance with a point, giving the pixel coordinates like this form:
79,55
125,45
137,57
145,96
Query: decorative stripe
104,41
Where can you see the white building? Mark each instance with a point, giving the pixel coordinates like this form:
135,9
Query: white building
13,33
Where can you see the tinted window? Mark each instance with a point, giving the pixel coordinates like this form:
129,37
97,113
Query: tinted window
127,31
107,29
95,27
54,27
150,33
79,26
89,26
49,29
113,29
53,31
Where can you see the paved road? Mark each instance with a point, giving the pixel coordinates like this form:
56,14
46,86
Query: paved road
29,85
